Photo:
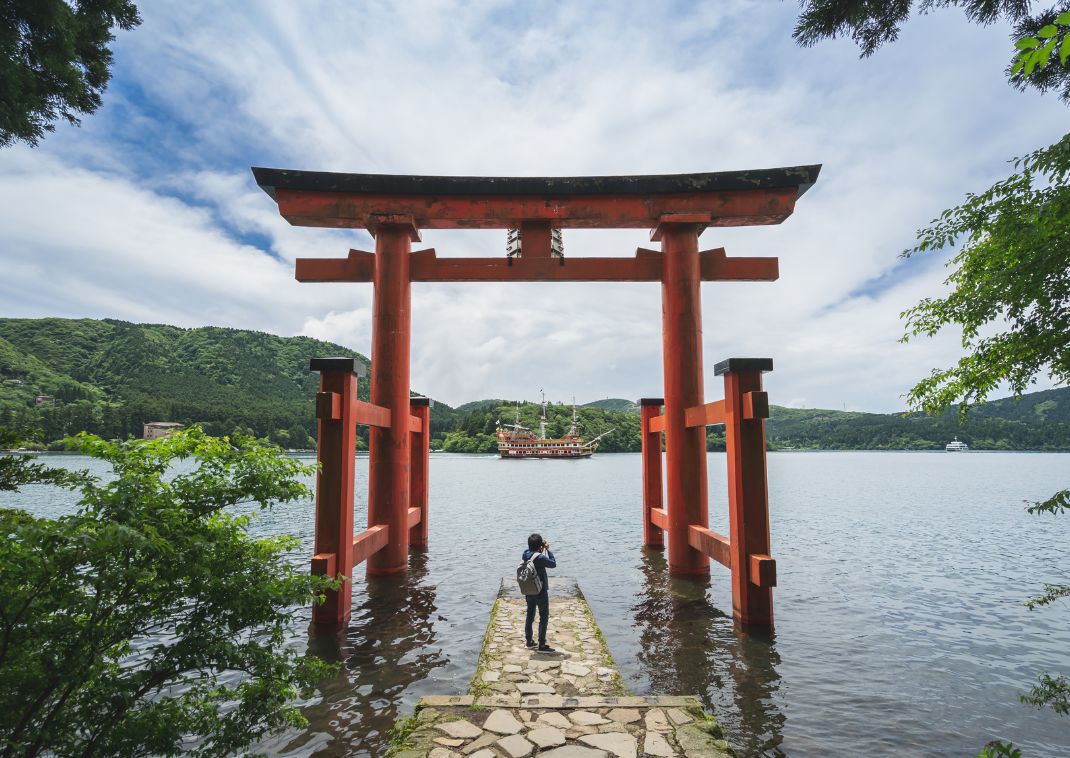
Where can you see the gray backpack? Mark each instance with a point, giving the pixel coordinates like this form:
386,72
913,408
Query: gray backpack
527,577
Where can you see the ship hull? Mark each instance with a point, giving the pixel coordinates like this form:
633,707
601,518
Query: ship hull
510,454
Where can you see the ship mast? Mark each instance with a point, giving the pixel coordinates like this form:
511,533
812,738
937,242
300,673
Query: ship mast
572,429
542,418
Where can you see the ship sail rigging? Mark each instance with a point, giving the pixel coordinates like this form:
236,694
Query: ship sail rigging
517,441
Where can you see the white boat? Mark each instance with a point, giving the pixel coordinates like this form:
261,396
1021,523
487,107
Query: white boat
957,447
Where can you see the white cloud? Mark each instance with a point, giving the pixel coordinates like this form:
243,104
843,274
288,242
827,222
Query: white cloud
149,212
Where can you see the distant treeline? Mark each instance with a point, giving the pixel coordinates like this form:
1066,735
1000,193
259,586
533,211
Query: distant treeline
1036,422
63,376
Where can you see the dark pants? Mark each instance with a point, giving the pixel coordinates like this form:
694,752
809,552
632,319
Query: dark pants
542,602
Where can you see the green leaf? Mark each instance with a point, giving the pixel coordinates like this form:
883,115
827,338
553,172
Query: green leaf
1064,50
1063,19
1027,43
1020,64
1030,64
1045,52
1048,31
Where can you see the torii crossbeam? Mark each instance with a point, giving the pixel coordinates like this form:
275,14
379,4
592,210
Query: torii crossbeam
677,208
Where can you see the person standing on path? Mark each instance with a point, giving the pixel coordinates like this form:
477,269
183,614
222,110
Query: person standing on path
544,559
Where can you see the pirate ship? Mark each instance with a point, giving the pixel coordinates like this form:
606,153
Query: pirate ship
516,441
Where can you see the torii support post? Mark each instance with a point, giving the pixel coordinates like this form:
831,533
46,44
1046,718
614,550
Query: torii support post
685,447
420,457
746,407
389,447
336,447
650,408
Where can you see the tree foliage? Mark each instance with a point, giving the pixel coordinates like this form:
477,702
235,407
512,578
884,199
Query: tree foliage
1041,41
871,23
55,61
1012,269
1010,287
150,623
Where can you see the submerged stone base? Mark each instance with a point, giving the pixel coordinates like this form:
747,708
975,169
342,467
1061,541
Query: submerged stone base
566,704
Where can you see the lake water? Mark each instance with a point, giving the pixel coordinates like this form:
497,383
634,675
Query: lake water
900,624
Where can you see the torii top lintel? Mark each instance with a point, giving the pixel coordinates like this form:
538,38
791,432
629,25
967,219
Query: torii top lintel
726,198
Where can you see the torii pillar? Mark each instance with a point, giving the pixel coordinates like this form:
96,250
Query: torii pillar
389,476
685,447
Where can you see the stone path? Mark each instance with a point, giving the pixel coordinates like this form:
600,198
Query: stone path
567,704
581,664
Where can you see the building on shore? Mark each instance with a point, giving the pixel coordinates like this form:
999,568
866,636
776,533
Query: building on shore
44,400
154,430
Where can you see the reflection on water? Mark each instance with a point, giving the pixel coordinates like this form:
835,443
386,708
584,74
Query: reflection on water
688,647
389,645
676,629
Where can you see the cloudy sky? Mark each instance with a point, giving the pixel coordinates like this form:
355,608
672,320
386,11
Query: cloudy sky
149,213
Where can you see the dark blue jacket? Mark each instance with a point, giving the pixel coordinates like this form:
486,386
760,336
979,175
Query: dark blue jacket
542,562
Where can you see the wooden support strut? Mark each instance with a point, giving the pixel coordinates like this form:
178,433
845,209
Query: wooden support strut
716,546
705,415
659,517
646,266
370,541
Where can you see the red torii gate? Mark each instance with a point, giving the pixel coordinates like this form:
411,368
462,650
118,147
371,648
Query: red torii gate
677,208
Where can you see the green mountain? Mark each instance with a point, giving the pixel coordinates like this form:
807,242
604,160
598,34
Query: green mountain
1038,421
110,377
1000,425
480,405
613,404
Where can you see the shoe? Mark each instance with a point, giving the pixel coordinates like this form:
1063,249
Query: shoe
531,643
544,648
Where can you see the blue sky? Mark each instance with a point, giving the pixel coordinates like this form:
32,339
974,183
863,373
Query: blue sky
148,212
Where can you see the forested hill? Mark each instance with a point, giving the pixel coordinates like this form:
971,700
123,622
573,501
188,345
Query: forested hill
109,377
1038,421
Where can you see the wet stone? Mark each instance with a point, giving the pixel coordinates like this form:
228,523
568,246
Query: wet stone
655,744
678,717
534,688
546,736
460,729
515,746
655,720
624,715
485,741
586,718
617,744
574,751
502,722
555,719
